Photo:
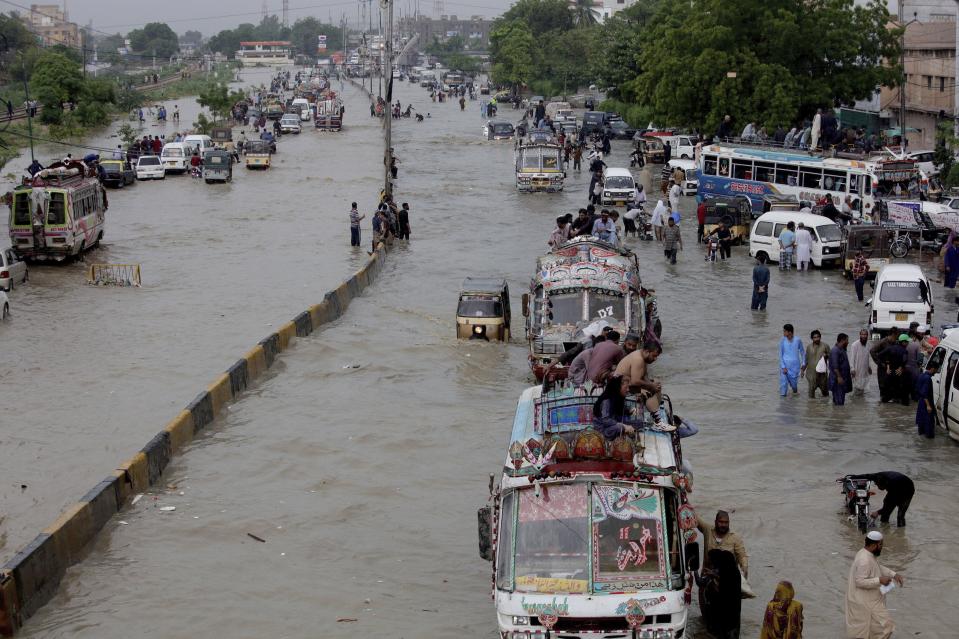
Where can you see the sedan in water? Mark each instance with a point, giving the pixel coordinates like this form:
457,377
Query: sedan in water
499,130
149,167
12,269
290,123
619,130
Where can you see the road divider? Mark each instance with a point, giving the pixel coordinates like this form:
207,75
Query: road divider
31,577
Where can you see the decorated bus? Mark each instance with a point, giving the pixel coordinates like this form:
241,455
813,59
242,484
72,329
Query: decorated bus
588,537
57,214
539,167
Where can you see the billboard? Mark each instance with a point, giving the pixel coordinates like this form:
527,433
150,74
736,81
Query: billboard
321,42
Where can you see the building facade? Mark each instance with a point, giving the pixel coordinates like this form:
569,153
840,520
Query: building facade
51,25
475,29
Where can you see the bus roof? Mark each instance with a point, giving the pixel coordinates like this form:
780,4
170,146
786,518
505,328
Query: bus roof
770,155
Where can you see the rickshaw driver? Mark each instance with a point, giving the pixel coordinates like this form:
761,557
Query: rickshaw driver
635,366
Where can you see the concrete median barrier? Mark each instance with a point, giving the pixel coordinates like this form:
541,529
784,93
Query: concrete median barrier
30,578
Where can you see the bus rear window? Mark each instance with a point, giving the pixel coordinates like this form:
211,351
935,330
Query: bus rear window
57,210
21,209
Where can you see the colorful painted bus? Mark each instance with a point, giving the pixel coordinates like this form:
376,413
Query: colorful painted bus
756,173
57,214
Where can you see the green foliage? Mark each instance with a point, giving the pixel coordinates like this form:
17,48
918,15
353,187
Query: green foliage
127,99
192,37
461,62
952,178
635,115
511,52
56,79
789,57
156,38
453,44
218,98
19,39
541,16
304,32
128,134
203,124
946,146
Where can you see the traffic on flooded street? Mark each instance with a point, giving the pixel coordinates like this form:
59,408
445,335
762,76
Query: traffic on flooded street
607,381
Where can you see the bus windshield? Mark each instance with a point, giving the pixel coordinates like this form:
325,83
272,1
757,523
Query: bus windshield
565,308
21,209
552,545
619,182
606,306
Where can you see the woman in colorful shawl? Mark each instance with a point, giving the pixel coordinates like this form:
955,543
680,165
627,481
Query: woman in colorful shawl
783,618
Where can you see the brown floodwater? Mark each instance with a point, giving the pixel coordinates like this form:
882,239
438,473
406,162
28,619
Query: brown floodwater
363,454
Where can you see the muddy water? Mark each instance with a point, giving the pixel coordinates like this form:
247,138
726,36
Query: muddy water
362,457
89,374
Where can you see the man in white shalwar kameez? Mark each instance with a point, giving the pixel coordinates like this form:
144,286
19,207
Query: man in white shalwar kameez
866,613
859,362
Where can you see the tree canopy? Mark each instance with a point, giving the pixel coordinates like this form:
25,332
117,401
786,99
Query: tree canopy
302,35
156,38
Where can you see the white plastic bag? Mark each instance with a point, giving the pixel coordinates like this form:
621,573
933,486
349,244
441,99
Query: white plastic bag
821,365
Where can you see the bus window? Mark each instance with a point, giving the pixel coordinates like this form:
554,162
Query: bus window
868,180
787,174
765,172
21,209
742,169
57,210
724,167
811,178
709,164
854,184
834,180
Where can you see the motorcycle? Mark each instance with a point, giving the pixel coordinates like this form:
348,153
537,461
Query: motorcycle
856,493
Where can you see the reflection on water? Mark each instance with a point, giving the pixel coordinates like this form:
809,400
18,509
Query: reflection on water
363,456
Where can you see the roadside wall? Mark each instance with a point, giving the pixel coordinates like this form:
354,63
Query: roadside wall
30,579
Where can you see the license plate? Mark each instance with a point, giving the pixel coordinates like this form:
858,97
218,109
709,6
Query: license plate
619,202
902,317
171,163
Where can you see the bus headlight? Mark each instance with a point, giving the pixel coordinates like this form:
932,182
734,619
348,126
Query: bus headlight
520,621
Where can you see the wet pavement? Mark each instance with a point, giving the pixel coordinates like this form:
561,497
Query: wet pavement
363,454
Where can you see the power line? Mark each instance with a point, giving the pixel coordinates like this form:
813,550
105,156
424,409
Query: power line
231,15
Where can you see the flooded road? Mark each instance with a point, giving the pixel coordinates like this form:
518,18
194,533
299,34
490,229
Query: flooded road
363,454
89,374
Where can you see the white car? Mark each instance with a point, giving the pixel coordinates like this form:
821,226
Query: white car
149,167
290,123
176,157
11,269
4,306
924,162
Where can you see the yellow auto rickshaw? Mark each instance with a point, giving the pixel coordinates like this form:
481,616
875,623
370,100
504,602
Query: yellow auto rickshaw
223,138
257,153
875,243
735,211
652,149
483,309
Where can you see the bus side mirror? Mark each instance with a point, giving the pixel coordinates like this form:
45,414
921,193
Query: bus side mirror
525,304
485,528
692,556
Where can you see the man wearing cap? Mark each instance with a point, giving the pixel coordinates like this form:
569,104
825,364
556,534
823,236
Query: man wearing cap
866,613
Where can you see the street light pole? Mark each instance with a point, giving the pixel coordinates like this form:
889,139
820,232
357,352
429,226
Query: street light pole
955,82
388,64
30,108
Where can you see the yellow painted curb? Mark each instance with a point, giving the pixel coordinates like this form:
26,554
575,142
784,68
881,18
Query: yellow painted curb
286,332
220,393
255,363
181,430
136,469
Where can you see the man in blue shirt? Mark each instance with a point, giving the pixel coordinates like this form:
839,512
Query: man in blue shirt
787,243
792,354
604,229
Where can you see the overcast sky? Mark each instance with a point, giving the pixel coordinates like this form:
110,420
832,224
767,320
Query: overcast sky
210,16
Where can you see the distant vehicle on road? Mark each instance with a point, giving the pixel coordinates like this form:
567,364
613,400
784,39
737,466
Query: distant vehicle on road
149,167
12,269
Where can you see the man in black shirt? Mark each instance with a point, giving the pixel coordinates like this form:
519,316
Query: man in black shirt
403,220
899,491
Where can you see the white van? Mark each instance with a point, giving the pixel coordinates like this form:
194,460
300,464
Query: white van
175,157
560,112
681,146
618,187
691,176
202,143
305,110
902,296
945,383
826,236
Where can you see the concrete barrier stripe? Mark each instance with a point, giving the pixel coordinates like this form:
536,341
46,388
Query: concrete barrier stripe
320,314
136,472
239,377
70,533
343,294
123,487
287,332
219,393
181,430
353,286
334,304
201,408
255,362
304,324
158,455
103,502
361,277
36,573
271,347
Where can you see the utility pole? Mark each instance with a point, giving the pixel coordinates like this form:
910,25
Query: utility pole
902,63
955,83
388,64
26,92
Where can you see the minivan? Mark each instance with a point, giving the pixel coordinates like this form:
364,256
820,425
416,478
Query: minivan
945,383
826,236
175,157
902,296
618,187
681,146
201,143
593,122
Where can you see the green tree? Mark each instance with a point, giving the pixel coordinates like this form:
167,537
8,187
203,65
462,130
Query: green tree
463,63
56,79
304,32
192,37
511,53
228,41
773,62
156,38
540,16
19,40
270,28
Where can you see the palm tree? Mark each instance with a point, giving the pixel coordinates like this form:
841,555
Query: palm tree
584,13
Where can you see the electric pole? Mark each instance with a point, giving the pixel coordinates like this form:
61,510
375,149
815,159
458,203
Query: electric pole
388,71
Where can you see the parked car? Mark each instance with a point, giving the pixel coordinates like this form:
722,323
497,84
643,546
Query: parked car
924,162
290,123
149,167
619,130
4,306
12,269
176,157
826,236
117,173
